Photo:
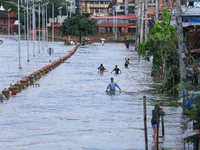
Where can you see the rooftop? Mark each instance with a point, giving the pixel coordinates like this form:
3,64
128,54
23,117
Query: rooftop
95,0
191,11
123,25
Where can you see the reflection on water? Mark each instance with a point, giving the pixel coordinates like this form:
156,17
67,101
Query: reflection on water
71,110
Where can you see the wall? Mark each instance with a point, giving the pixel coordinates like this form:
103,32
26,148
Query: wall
193,39
111,21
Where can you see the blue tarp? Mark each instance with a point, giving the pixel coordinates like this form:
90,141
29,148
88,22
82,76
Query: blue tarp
191,19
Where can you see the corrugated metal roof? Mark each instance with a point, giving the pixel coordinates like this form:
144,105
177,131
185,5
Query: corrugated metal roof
118,17
191,11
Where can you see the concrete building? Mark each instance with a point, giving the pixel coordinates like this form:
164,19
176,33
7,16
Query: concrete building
7,20
97,7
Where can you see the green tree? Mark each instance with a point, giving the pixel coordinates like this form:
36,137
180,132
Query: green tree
161,44
79,25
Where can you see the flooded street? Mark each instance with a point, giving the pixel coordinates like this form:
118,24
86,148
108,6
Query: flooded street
71,110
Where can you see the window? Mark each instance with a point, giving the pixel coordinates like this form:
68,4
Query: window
91,10
191,4
101,10
4,21
106,2
131,9
96,10
92,2
4,29
101,2
121,7
96,2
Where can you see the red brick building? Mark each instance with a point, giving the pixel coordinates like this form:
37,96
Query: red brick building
4,21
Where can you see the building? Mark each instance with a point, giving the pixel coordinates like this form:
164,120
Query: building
122,7
191,27
7,19
97,7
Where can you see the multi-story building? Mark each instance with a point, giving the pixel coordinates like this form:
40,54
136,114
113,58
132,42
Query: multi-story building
122,7
97,7
105,7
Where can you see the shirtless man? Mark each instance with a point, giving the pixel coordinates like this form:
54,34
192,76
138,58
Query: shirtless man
126,62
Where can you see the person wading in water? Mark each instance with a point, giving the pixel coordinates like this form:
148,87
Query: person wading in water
101,68
116,70
112,86
126,62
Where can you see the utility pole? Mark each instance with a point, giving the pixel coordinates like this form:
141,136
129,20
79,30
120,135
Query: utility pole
156,11
180,39
116,26
43,27
24,24
46,27
53,22
19,47
33,29
39,28
27,34
9,23
113,20
142,23
67,10
125,5
30,26
146,20
138,24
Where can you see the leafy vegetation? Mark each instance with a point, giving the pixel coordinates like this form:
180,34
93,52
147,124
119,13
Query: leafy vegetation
190,105
161,44
79,25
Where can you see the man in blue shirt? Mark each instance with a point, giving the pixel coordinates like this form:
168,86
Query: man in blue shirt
112,85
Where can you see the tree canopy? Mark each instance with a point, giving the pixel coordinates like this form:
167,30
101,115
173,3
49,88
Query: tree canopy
79,25
161,44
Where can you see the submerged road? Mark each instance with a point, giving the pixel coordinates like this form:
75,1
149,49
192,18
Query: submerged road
71,110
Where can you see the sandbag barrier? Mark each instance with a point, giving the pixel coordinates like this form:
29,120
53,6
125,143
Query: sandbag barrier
31,78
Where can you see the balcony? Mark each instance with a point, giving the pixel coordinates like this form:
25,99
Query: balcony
98,5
